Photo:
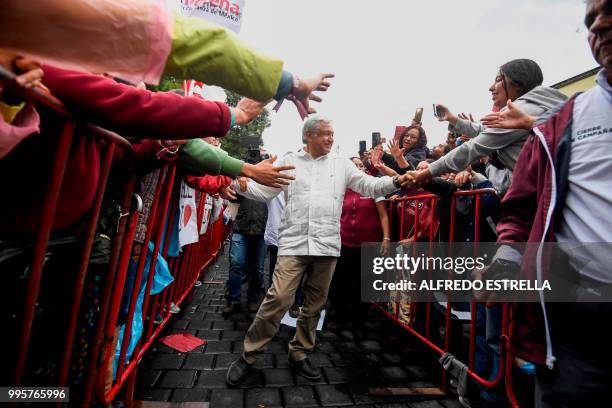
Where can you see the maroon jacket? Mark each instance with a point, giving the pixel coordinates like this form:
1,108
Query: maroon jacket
126,110
137,112
536,195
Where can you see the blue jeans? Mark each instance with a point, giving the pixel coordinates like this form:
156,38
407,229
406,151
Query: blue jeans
487,358
247,255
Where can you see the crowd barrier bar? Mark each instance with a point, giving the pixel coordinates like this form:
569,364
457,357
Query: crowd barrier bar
186,269
504,372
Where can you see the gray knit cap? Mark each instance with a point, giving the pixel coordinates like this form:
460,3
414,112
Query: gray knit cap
525,73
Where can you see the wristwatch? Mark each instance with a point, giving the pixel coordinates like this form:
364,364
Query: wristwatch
396,181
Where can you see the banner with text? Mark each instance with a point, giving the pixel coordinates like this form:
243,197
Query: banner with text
226,13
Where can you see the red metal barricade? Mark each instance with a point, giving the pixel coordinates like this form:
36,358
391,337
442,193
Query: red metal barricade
416,204
186,269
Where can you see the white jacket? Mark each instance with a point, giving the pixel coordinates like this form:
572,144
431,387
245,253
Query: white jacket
310,223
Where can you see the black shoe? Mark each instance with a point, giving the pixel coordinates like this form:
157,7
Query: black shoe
305,369
238,371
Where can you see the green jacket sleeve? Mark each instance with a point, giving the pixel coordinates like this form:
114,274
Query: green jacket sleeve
199,157
209,53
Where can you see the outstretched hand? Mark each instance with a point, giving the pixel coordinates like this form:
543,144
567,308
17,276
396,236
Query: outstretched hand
511,118
242,182
415,178
247,110
267,174
29,72
228,193
376,157
395,149
304,91
463,177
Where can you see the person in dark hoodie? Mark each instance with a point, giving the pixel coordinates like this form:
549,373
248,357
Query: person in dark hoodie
412,145
406,152
518,80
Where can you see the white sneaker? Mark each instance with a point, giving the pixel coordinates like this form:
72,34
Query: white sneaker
174,308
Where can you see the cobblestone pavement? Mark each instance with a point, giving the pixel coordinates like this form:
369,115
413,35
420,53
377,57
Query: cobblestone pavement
351,357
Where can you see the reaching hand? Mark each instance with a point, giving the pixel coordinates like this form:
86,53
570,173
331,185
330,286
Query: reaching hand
242,181
478,274
395,149
375,157
463,116
173,143
417,178
511,118
463,177
306,87
228,193
267,174
408,179
247,110
31,72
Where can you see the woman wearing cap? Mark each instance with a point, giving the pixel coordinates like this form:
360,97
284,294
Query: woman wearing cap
519,80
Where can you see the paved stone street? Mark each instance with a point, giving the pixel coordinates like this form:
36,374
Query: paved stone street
351,358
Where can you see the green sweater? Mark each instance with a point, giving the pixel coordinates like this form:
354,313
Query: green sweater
215,56
200,158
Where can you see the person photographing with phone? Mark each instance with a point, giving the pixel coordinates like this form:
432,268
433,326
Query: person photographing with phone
518,80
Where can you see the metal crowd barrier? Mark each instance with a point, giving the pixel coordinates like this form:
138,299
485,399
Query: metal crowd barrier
397,208
186,268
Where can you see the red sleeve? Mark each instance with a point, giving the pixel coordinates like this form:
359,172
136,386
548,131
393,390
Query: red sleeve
518,207
208,184
137,112
144,159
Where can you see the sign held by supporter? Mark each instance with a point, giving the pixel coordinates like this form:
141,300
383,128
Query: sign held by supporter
226,13
188,224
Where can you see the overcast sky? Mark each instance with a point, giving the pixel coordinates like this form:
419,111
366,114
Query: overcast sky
392,56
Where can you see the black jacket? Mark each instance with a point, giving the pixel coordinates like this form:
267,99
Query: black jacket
251,218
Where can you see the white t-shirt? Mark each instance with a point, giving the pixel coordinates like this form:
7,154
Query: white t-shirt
587,216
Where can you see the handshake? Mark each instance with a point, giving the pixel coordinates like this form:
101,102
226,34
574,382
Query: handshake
415,178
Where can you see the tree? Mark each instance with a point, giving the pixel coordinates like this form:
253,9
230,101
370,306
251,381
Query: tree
231,142
167,83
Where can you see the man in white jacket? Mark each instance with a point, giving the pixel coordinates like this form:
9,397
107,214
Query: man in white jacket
309,236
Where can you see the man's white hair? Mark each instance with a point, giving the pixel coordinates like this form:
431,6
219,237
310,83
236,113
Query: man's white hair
311,125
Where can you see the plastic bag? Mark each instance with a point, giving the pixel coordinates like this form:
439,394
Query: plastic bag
161,280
